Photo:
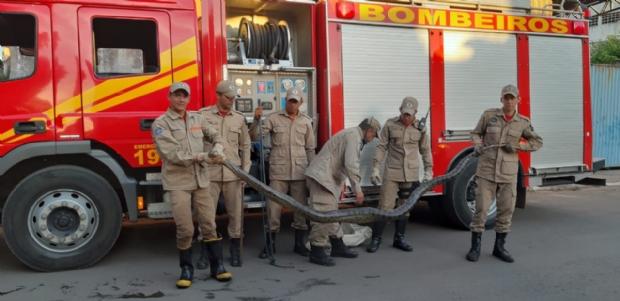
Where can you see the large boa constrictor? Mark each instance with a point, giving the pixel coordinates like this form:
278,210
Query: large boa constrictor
355,215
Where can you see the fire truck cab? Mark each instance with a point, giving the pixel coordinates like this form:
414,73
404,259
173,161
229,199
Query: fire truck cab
82,81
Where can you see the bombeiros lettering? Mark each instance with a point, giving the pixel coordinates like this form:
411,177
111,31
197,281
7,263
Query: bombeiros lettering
461,19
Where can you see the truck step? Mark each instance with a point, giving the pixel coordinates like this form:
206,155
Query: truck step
160,210
252,205
153,182
164,209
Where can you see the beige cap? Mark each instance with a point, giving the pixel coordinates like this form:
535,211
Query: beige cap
293,93
227,88
409,105
179,86
510,89
374,124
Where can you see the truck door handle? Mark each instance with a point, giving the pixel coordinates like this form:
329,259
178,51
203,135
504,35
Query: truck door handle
29,127
145,124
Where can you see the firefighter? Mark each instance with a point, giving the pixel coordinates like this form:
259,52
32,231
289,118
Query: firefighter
292,142
402,139
179,137
497,169
338,159
231,125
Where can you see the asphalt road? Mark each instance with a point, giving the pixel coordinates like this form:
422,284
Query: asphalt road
565,243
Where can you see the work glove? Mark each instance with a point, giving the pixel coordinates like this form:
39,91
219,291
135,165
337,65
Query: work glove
478,149
428,175
511,147
217,151
375,178
201,157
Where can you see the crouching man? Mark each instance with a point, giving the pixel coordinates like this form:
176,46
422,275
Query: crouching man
325,177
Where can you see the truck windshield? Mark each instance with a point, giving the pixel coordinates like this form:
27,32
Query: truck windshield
18,45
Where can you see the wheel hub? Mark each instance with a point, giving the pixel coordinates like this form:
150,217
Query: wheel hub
63,221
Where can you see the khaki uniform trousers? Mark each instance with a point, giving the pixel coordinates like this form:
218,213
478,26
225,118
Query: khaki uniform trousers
299,192
389,192
233,202
322,200
506,197
181,202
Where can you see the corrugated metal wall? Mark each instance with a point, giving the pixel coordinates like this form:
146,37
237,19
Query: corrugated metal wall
605,80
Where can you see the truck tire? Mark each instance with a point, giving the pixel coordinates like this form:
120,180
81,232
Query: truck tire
460,202
62,218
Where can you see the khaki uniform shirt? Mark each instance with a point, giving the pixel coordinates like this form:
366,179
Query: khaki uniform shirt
402,145
338,159
178,143
234,131
292,144
497,165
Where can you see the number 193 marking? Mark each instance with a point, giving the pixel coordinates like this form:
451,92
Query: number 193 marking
151,156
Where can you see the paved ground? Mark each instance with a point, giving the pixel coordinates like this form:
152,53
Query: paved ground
565,244
612,176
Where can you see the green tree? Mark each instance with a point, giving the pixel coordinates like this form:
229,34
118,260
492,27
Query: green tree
606,52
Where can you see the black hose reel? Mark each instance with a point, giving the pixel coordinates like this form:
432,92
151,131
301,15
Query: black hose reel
269,42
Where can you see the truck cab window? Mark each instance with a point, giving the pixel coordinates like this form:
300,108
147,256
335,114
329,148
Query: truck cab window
17,46
125,47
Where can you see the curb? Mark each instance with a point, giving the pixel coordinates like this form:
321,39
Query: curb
565,187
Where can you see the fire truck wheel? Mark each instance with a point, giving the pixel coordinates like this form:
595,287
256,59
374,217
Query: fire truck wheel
62,218
460,199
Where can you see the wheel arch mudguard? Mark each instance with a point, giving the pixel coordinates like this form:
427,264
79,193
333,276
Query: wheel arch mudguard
42,149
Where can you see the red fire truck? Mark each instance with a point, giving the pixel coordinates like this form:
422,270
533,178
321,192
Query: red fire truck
81,81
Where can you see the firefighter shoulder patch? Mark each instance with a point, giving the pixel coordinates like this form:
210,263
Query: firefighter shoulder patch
158,131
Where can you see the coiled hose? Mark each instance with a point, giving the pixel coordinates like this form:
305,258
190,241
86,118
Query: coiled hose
270,41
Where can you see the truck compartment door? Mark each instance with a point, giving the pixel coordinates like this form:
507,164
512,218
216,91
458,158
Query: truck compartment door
556,93
380,67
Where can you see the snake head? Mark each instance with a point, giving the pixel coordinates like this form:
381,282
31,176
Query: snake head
215,160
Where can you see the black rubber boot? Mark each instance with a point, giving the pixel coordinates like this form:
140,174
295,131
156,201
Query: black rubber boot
216,260
318,256
339,249
235,259
187,269
299,244
499,251
271,240
399,235
377,231
203,261
474,252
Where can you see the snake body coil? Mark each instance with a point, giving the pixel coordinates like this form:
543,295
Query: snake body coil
355,215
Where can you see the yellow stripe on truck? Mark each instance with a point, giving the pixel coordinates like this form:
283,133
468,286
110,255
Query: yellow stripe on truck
132,94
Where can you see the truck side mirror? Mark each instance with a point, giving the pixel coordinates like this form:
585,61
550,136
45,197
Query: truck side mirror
5,63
